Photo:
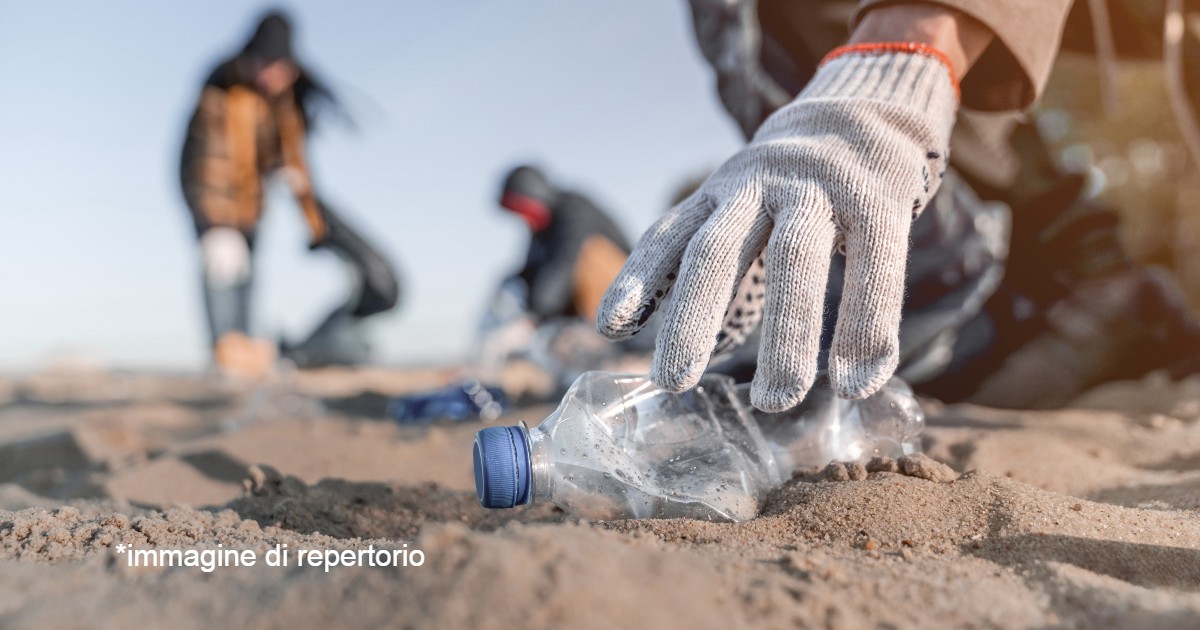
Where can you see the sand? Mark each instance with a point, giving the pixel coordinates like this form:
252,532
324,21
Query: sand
1085,517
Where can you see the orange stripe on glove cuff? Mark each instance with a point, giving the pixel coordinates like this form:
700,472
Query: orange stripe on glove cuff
884,48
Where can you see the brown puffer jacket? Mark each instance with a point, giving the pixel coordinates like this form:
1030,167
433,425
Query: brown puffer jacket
235,139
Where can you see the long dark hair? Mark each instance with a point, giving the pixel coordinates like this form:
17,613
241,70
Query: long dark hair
314,96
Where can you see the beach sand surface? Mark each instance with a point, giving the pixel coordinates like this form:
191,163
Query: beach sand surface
1083,517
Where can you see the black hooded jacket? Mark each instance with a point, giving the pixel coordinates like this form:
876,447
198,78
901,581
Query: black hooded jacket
553,264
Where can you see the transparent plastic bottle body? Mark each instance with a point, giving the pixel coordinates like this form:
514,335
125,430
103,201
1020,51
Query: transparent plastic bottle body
618,447
825,428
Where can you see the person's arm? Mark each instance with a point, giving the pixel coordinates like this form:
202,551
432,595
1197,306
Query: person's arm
551,285
1020,39
291,139
957,35
848,164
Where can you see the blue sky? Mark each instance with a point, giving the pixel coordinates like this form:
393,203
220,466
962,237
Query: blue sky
99,258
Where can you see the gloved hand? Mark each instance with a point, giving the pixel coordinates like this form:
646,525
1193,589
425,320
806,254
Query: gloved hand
848,164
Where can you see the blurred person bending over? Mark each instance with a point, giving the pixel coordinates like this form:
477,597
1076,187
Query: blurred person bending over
252,120
544,313
876,222
575,249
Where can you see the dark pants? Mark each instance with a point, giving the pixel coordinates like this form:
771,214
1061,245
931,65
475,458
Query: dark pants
228,308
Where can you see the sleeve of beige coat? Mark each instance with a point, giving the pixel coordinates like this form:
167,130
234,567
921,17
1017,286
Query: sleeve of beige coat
1013,70
291,139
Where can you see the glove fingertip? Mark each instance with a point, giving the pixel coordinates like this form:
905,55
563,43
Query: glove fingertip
856,380
777,397
626,308
675,378
615,331
623,323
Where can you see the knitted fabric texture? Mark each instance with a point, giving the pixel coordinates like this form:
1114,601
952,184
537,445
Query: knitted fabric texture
846,165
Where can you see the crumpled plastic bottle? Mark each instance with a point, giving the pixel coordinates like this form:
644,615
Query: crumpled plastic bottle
618,447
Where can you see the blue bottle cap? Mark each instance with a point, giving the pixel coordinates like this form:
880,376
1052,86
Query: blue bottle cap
502,467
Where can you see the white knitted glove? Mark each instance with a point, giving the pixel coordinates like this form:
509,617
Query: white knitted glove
848,164
225,256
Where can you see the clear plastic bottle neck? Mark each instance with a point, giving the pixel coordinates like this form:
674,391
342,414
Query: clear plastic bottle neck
540,465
